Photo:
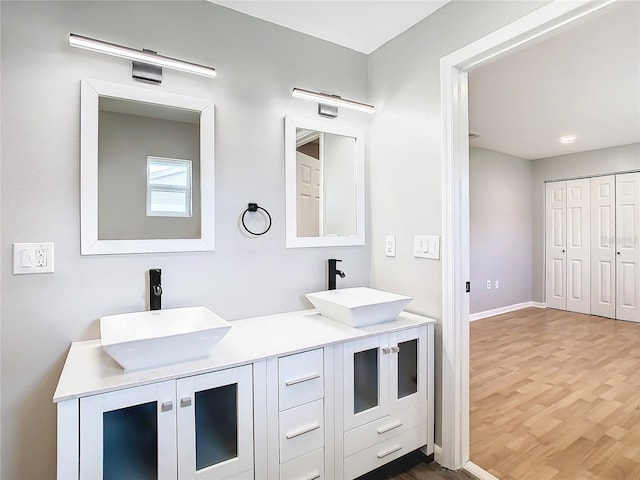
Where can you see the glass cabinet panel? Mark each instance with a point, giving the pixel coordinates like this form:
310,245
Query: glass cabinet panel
365,380
216,425
407,368
130,443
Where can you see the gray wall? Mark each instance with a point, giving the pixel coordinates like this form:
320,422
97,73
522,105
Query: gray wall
501,213
406,146
594,162
258,65
124,142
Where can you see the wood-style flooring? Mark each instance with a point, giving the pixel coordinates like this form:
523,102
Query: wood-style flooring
555,396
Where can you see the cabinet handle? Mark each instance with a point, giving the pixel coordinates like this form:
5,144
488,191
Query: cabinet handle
302,431
386,350
185,402
388,428
166,406
389,452
395,349
313,476
295,381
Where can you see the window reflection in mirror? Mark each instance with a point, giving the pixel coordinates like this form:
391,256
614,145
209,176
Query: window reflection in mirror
325,184
133,202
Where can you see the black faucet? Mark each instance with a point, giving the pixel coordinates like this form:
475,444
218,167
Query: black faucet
333,273
155,289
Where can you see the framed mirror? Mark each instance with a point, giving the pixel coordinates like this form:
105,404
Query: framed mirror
147,170
324,179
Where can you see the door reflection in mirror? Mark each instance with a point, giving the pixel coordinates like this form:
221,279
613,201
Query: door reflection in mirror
325,184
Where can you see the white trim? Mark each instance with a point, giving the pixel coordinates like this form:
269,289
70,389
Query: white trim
479,472
437,453
499,311
455,207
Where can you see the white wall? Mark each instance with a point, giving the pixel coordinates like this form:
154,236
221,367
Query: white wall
405,158
258,66
501,215
594,162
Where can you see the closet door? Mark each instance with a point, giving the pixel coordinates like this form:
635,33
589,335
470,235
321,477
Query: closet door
555,245
578,245
628,246
603,246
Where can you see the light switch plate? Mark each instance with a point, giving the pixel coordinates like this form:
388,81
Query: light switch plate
426,246
31,258
390,246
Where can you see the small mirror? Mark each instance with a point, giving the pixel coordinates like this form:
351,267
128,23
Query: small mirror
324,168
146,170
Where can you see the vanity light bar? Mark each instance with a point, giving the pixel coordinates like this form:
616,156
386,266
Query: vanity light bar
334,101
139,56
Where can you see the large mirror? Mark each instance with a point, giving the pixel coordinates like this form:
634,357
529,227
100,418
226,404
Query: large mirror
147,170
324,173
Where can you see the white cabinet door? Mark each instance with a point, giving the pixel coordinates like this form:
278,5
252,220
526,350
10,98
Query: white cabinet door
603,246
628,246
215,424
408,369
578,266
366,381
129,434
555,245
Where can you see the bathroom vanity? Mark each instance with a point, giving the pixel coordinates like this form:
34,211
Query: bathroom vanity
289,396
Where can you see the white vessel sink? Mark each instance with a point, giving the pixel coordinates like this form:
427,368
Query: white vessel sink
359,306
161,337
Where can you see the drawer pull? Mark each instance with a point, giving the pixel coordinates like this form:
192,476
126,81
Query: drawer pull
388,428
313,476
295,381
185,402
389,452
166,406
395,349
302,431
386,350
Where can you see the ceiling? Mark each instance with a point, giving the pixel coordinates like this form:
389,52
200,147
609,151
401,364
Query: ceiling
584,81
360,25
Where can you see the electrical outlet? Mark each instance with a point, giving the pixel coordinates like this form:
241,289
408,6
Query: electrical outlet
488,284
497,283
32,258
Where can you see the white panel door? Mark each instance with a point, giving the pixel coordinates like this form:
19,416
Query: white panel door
577,242
628,246
307,195
603,246
555,245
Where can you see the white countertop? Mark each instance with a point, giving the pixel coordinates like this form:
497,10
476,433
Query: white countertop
88,370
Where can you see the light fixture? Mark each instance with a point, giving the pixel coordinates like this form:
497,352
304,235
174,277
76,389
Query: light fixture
328,104
143,56
567,139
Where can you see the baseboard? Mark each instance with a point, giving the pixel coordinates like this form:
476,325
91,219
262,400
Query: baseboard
478,472
501,310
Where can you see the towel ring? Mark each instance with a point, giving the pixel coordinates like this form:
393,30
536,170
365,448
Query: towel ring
254,207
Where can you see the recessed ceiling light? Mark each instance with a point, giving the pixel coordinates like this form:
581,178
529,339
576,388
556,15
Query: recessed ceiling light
567,139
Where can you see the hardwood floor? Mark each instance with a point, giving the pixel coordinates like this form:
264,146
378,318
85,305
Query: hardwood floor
555,396
414,467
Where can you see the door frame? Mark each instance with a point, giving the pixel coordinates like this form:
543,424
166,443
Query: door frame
454,70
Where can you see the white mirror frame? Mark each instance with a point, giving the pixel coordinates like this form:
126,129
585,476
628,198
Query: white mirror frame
90,244
325,126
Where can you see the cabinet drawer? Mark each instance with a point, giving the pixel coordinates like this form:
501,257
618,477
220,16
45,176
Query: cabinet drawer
300,378
379,430
384,452
305,467
301,430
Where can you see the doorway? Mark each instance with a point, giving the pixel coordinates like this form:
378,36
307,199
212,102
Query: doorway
455,264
